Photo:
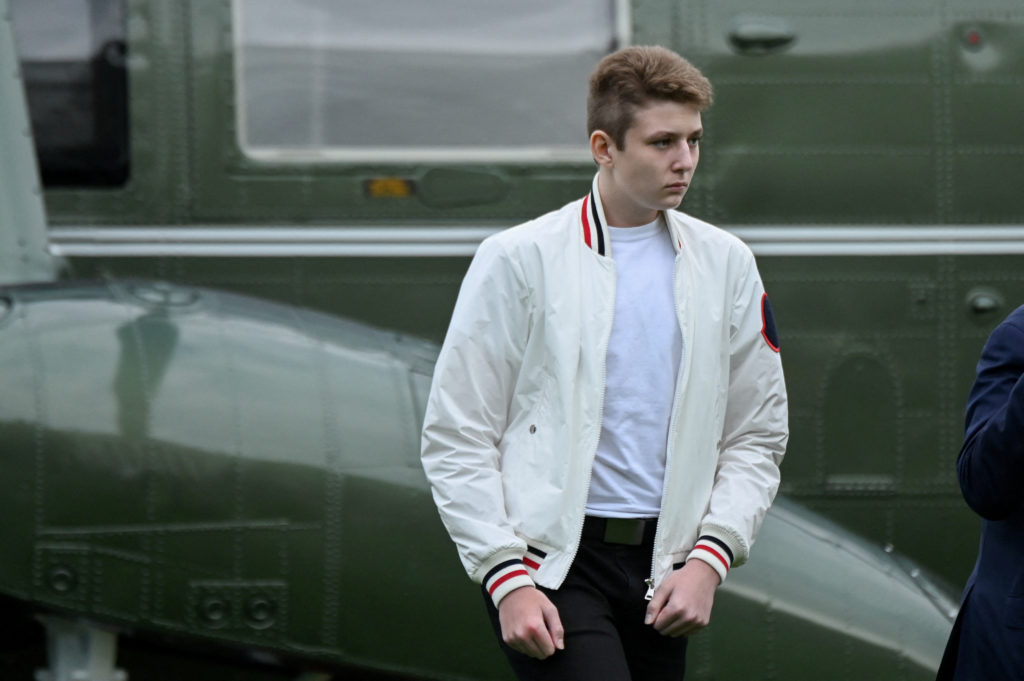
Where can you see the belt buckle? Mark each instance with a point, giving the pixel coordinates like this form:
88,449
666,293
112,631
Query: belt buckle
624,531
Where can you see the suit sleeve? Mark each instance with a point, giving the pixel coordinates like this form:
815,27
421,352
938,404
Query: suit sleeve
466,416
755,430
991,462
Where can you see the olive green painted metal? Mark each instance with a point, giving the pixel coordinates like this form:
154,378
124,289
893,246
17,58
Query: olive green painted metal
203,458
218,468
868,152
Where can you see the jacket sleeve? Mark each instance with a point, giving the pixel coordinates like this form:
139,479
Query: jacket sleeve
466,416
991,462
754,433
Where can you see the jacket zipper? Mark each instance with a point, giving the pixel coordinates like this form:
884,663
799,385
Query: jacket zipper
671,438
600,418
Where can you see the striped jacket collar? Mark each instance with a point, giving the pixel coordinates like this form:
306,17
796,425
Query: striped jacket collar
595,227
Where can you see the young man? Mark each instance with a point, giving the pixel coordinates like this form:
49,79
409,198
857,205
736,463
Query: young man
987,641
608,411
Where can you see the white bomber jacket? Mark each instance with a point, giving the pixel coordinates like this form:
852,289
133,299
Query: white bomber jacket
514,413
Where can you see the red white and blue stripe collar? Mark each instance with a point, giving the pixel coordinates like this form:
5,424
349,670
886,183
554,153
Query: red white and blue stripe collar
595,226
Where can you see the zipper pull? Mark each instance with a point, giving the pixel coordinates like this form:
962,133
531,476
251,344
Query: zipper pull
650,588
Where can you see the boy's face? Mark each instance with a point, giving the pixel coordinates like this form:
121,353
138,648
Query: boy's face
654,168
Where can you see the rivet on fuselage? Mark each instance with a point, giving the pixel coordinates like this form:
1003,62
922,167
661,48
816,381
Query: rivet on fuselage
260,612
62,579
214,611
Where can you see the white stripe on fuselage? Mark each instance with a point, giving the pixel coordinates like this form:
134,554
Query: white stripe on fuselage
383,241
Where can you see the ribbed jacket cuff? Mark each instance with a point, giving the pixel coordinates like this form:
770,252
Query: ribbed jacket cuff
715,553
506,577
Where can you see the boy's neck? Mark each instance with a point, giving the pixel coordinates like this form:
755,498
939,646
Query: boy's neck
619,210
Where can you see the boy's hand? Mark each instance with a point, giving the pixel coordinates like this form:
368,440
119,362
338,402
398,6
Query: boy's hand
682,604
530,623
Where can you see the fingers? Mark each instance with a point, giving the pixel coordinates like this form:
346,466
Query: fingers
554,626
655,606
682,604
531,637
530,623
533,642
674,622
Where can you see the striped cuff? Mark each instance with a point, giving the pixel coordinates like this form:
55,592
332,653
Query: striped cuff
715,553
505,578
533,558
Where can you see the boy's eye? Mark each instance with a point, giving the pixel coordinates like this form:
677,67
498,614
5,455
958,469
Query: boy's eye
662,144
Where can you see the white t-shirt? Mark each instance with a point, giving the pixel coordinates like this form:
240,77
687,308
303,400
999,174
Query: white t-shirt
643,360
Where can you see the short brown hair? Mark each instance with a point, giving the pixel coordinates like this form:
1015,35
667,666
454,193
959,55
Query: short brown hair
629,78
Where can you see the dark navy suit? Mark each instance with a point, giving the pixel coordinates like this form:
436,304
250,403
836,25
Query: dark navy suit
987,643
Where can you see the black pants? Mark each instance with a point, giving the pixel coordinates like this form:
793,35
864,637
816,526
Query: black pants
602,607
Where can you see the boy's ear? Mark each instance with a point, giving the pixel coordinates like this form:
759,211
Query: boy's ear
601,145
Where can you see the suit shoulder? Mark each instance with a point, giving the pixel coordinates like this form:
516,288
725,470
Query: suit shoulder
1005,344
1015,320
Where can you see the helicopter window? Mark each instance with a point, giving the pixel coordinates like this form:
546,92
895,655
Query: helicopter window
413,80
72,55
